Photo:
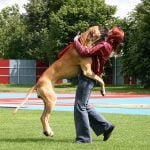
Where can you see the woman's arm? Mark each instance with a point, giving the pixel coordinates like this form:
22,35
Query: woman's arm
91,51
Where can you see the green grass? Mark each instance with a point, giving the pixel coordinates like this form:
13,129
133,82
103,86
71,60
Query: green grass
23,131
72,88
14,88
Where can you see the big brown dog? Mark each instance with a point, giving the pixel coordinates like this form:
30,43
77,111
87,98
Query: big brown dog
68,65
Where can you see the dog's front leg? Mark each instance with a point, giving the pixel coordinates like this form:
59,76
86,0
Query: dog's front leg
103,92
86,68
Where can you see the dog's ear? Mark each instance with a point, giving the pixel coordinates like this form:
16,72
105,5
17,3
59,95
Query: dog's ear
104,32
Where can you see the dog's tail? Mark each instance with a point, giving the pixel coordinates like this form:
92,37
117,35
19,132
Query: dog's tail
26,99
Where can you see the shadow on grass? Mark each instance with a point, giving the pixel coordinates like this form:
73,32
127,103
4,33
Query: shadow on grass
26,140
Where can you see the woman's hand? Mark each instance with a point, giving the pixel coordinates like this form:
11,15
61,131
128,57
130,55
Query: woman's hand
77,36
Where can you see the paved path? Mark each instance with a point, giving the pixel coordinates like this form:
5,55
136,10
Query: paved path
112,103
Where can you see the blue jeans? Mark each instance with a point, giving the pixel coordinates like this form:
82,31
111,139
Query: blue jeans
86,116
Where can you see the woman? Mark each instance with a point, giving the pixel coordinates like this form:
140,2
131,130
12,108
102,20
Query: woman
84,115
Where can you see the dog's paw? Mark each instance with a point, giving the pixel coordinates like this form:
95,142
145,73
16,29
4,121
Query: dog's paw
46,133
102,92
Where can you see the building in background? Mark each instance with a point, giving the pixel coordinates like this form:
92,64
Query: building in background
18,71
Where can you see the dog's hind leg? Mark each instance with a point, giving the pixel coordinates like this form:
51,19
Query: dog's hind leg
48,96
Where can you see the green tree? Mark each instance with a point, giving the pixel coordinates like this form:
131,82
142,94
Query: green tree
137,51
12,31
38,43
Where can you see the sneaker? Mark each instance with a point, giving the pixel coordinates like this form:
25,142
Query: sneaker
108,133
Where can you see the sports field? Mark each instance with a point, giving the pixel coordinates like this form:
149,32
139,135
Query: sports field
129,112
